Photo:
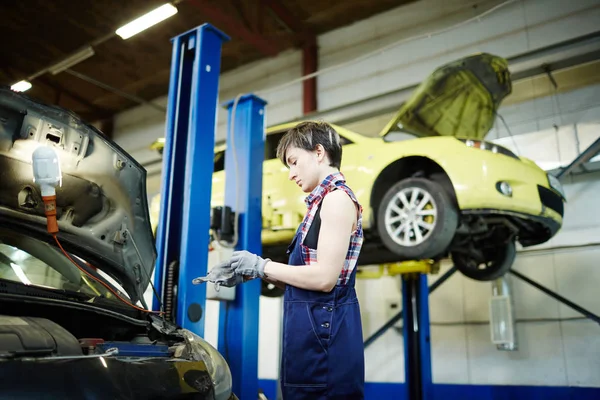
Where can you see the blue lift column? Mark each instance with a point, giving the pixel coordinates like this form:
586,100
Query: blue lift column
183,230
238,320
417,346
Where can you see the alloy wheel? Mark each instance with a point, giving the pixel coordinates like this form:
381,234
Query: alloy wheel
411,216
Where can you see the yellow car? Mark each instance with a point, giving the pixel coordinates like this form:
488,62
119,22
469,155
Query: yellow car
430,185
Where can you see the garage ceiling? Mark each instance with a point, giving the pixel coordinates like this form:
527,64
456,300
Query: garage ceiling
37,34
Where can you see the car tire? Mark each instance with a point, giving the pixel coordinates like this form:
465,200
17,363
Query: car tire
436,220
498,261
269,290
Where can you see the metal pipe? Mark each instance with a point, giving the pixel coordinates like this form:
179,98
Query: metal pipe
115,90
558,297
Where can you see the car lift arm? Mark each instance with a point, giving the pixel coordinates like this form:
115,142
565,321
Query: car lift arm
590,152
371,339
558,297
415,315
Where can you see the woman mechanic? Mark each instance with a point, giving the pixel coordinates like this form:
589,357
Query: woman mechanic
322,352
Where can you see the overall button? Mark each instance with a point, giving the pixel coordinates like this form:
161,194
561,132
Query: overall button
325,324
328,308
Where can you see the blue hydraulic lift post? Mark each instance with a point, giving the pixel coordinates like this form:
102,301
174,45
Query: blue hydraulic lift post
238,320
183,229
417,346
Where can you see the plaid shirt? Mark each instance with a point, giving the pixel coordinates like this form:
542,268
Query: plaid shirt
313,200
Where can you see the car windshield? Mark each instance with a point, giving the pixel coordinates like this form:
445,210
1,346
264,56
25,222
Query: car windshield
29,261
398,136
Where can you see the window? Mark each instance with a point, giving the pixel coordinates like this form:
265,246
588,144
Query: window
398,136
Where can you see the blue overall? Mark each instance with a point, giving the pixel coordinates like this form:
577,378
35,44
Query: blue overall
322,350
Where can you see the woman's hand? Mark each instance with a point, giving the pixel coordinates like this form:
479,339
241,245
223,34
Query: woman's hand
221,274
248,265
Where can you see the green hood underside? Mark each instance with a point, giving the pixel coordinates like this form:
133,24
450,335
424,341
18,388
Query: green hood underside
459,99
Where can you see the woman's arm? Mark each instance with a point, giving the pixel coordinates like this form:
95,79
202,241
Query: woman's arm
338,218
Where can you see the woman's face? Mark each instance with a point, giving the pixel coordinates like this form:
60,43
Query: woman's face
304,167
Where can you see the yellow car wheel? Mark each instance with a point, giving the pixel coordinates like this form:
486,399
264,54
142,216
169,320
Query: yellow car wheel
485,264
417,219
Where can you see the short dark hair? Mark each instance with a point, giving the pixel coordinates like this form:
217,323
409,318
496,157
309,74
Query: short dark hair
307,135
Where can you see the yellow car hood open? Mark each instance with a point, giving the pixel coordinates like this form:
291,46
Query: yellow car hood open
459,99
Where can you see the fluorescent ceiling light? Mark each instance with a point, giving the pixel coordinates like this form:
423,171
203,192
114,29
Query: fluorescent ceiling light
146,21
21,86
74,59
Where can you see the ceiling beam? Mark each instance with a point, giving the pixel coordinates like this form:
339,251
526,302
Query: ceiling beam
234,27
100,112
291,21
239,8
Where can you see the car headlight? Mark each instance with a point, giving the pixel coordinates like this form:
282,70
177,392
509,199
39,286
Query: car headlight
489,146
217,367
556,185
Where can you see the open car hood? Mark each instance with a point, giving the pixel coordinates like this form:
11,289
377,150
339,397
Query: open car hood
102,206
459,99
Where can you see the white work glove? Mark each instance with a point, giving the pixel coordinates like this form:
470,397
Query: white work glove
221,274
248,265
